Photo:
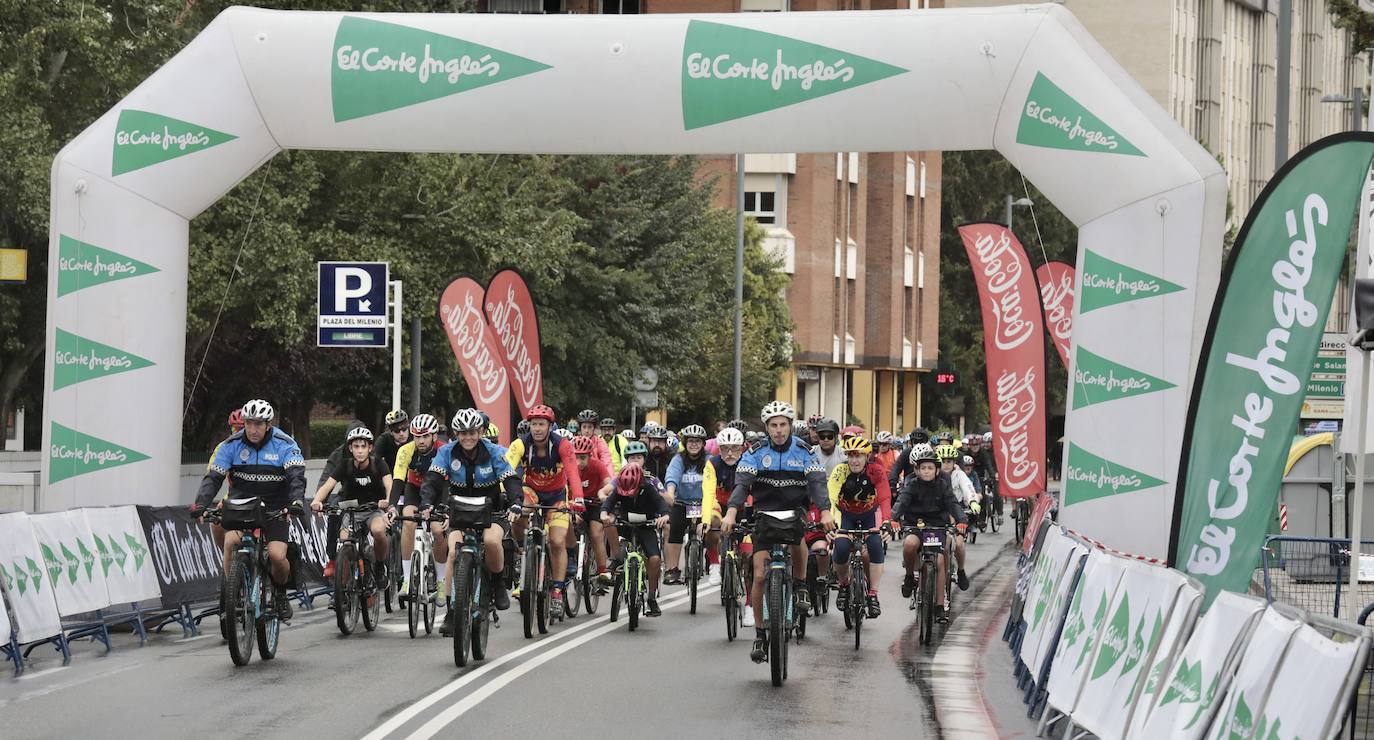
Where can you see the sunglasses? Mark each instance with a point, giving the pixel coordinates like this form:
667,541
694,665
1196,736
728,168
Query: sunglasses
826,436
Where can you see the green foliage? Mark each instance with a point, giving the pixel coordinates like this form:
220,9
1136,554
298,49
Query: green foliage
322,432
1348,15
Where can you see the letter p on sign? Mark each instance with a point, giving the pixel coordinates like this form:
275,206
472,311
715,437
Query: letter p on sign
362,285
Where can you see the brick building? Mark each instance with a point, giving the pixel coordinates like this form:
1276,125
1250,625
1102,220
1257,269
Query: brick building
858,233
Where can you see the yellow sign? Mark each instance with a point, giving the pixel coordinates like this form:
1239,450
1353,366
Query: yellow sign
14,265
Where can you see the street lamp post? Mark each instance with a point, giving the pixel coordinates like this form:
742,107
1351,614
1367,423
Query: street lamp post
1011,204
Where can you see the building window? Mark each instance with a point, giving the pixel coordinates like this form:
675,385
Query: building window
762,206
762,6
619,7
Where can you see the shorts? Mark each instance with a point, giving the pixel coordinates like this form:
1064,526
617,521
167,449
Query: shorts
769,531
552,519
677,521
276,530
849,520
647,537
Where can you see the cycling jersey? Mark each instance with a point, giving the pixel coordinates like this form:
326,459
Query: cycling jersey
616,446
273,470
692,478
779,478
594,478
886,459
931,501
647,501
408,473
836,458
860,493
961,486
549,469
364,486
387,449
485,473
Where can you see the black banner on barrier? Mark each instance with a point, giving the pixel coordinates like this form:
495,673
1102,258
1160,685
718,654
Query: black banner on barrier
184,554
309,533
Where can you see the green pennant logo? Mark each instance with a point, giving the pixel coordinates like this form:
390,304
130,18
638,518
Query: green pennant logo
137,549
1088,477
377,67
1052,119
1206,703
118,552
730,72
35,573
1114,638
6,581
143,139
76,359
106,559
73,453
81,265
1186,685
50,561
1092,636
87,559
1097,379
1107,283
73,562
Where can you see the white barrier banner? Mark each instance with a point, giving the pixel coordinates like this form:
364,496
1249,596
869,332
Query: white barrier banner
1190,696
1126,647
118,536
25,580
1248,693
1083,626
70,554
4,623
1182,619
1049,569
1054,609
1309,691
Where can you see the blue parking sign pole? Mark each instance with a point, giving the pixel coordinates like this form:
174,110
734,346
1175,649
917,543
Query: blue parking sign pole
353,304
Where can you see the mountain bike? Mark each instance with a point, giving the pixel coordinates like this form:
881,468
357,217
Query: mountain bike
584,559
393,568
734,579
471,597
818,588
536,582
631,580
933,544
857,609
357,590
422,593
780,610
694,551
249,609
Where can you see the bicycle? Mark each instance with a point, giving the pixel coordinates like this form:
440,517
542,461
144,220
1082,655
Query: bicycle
694,551
393,563
857,609
249,611
933,544
470,600
1022,515
584,558
820,590
422,593
355,571
972,520
734,579
536,582
780,610
631,582
991,485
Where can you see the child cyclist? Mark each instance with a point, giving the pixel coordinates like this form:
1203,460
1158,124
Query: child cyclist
634,494
860,499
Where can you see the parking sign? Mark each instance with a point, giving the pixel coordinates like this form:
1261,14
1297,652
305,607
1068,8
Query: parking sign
353,304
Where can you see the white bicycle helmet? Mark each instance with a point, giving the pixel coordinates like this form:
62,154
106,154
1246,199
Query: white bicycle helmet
694,431
564,433
424,424
968,460
778,408
987,438
258,410
360,433
884,438
922,453
729,436
468,420
628,434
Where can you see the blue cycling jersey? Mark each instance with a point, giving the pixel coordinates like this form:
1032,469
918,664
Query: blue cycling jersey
273,470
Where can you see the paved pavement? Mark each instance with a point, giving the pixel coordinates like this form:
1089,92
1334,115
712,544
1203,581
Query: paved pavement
676,676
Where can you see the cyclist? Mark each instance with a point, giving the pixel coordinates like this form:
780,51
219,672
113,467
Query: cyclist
782,475
903,467
689,475
860,499
235,426
550,473
362,478
635,494
807,431
413,461
644,432
926,497
264,462
827,449
637,453
614,442
493,434
660,457
334,521
586,427
963,491
985,465
730,445
597,483
711,447
886,454
461,472
398,423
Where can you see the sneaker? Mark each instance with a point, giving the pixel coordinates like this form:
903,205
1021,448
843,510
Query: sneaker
500,599
803,598
713,575
651,607
748,616
942,614
873,608
908,585
963,581
405,587
842,600
446,629
604,578
442,589
673,577
283,604
556,603
760,651
329,569
515,591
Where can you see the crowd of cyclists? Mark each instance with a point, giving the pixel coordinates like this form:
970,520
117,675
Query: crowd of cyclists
811,476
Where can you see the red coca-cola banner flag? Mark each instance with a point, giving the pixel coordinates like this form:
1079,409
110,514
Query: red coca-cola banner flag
479,355
511,315
1014,341
1056,294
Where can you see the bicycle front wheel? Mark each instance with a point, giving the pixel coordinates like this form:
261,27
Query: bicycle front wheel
239,610
632,577
928,606
728,598
413,590
370,599
693,572
858,601
776,593
346,609
461,605
481,622
529,587
591,597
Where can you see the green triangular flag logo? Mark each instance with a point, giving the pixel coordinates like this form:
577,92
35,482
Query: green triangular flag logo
377,67
53,565
35,573
1052,119
1097,379
1106,283
118,552
1240,722
1186,685
5,580
21,576
1088,476
1092,636
1113,640
73,453
730,72
143,139
81,265
106,559
76,359
73,562
87,558
137,549
1207,698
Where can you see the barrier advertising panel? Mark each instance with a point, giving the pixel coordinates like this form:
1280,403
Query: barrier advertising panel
72,561
123,550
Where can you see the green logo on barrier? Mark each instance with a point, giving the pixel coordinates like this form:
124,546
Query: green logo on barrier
379,67
76,359
730,72
106,559
1206,703
137,549
35,573
73,562
53,565
1097,379
87,558
73,453
1052,119
5,580
1088,477
119,555
1186,685
1240,721
1114,638
1107,283
81,265
143,139
1092,636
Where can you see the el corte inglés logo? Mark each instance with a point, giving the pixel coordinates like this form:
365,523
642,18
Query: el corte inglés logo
143,139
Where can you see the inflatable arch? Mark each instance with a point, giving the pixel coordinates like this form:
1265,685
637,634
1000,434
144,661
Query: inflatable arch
1027,81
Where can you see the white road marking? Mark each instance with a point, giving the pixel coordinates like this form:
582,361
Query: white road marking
414,710
431,728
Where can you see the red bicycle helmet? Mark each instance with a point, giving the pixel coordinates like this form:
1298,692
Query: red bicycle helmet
542,412
583,446
236,419
630,479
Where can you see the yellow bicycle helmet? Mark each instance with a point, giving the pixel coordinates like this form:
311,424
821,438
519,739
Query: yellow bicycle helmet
947,452
857,443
